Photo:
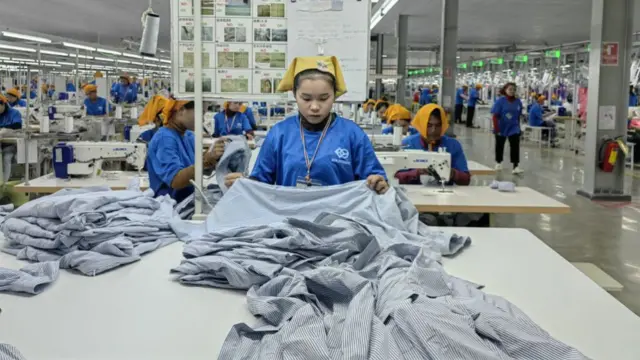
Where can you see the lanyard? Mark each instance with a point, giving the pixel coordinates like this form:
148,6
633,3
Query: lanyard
226,122
304,148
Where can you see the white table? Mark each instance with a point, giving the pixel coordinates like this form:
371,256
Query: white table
138,312
116,180
475,168
482,199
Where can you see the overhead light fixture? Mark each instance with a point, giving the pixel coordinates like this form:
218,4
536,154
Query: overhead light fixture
26,37
18,48
66,63
52,65
132,55
137,63
78,46
23,59
47,62
102,59
150,59
165,61
85,57
4,58
124,61
105,51
57,53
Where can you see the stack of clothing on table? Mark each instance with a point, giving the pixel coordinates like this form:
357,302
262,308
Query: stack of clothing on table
340,272
90,230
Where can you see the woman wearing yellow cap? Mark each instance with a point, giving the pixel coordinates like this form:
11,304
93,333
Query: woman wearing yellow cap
381,110
431,122
316,147
398,115
94,104
367,108
14,98
171,152
126,91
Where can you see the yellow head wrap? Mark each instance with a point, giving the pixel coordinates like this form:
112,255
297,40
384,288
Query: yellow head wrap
479,86
3,99
153,108
98,75
533,94
89,89
397,112
327,64
542,98
381,101
421,120
554,97
126,77
15,92
170,108
243,107
367,104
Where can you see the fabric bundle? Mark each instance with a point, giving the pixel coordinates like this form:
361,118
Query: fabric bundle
90,230
340,272
503,186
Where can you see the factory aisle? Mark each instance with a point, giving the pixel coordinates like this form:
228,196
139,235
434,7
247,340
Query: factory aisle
606,234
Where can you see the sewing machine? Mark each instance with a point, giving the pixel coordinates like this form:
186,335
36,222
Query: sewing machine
132,133
439,162
85,158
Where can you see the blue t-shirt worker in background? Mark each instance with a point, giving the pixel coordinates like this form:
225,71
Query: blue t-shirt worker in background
461,97
506,126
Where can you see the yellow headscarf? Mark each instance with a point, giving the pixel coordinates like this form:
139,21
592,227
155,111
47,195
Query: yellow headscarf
479,86
170,108
15,92
421,120
397,112
89,88
554,97
367,104
243,107
380,101
327,64
153,108
3,99
98,75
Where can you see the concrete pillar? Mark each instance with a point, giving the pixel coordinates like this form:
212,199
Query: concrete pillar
403,50
448,53
379,59
611,33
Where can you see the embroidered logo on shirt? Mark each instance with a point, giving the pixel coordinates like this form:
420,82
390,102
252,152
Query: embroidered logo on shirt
342,153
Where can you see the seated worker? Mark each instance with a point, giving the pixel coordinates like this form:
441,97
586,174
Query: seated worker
247,111
230,121
70,86
425,97
32,93
93,104
381,108
432,123
125,91
316,147
171,152
51,91
398,115
9,119
14,98
555,101
536,117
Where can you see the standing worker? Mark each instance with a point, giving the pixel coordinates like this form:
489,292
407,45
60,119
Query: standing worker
70,86
10,118
14,98
125,91
474,97
633,98
461,97
316,147
425,97
506,126
231,121
94,104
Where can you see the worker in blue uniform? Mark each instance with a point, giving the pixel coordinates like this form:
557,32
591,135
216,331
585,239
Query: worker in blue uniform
461,97
248,112
399,116
94,104
431,122
70,86
171,154
32,93
425,97
474,98
231,121
536,117
506,126
14,98
51,91
10,118
633,97
555,101
316,147
125,91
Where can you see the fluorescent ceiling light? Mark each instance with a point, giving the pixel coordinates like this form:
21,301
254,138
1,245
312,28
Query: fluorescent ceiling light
137,63
165,61
78,46
4,58
132,55
151,59
47,62
23,59
26,37
49,52
105,51
52,65
102,59
66,63
84,56
124,61
18,48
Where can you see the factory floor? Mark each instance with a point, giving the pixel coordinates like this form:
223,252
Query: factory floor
605,234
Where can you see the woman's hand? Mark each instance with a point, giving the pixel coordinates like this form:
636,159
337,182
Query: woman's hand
377,183
212,157
230,179
249,136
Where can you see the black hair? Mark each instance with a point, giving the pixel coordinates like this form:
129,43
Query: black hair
314,74
632,90
381,105
436,114
503,91
189,106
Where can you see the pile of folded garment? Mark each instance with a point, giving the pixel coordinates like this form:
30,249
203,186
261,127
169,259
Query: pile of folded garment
340,272
90,230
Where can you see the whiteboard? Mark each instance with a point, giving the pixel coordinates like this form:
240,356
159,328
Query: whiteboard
337,28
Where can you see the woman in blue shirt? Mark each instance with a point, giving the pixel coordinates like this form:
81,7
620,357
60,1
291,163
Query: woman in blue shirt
474,97
93,104
461,96
506,126
14,98
9,119
125,91
399,116
171,152
316,147
633,98
70,86
536,117
231,121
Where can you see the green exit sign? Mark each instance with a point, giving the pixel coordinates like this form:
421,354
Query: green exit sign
521,58
552,54
589,47
478,63
462,66
497,61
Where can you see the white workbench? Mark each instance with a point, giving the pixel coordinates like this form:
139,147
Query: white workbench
116,180
138,312
482,199
475,168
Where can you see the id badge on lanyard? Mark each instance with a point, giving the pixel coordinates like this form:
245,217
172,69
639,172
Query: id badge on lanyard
302,182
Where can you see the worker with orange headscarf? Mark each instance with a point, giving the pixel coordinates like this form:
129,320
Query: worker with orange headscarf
536,117
171,152
94,104
126,91
399,116
431,122
232,121
14,98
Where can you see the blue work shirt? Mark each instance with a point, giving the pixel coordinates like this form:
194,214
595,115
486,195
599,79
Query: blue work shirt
633,100
474,95
451,145
535,115
508,113
252,120
125,93
235,125
50,93
19,103
345,154
389,130
168,153
10,118
71,88
425,97
147,135
459,98
97,108
32,95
